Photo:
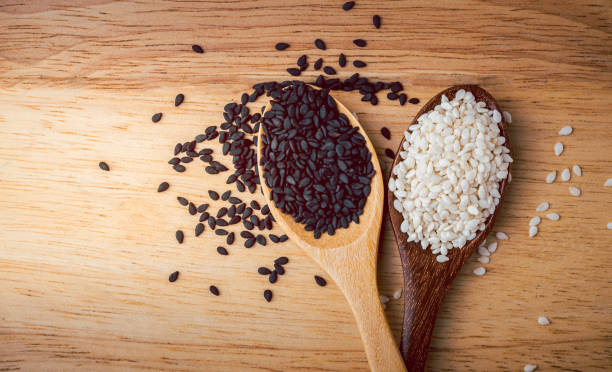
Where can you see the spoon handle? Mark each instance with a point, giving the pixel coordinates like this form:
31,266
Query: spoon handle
353,268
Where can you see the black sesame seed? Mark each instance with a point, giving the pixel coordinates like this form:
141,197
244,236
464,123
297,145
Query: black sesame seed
178,148
179,99
212,222
294,71
281,46
281,260
318,64
342,60
156,117
348,5
273,277
329,70
222,251
279,269
255,205
186,159
221,232
283,238
230,239
376,21
104,166
390,154
196,48
235,200
320,44
261,239
264,271
179,168
202,208
320,281
214,290
221,212
192,209
246,234
163,187
249,242
265,210
302,61
274,238
204,216
179,236
213,195
173,277
182,201
221,222
414,101
385,132
402,99
268,295
360,43
359,64
199,229
226,195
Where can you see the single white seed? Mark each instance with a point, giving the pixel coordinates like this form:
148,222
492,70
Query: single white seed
565,175
577,170
543,320
574,191
608,183
480,271
501,236
535,221
384,299
441,258
533,231
397,294
484,259
529,367
553,216
609,225
492,247
558,148
566,131
483,251
543,207
508,117
550,178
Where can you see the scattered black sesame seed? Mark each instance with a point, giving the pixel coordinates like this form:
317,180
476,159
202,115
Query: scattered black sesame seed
174,161
222,212
192,209
329,70
359,64
249,242
385,132
230,238
402,99
274,238
303,60
156,117
104,166
179,99
390,154
281,46
273,277
178,148
376,21
320,281
348,5
173,277
255,205
179,168
268,295
196,48
221,232
320,44
283,238
222,251
342,60
414,101
360,43
182,201
226,195
214,290
279,269
199,229
318,64
202,208
261,239
179,236
264,271
235,200
294,71
281,260
213,195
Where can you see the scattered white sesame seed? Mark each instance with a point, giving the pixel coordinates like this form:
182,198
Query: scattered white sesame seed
501,235
543,320
484,259
480,271
553,216
535,221
565,175
533,231
397,294
543,207
558,148
550,178
529,367
384,299
492,247
574,191
608,183
483,251
441,258
609,225
508,117
566,131
577,170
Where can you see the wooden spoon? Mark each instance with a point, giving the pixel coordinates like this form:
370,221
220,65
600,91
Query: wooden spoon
426,281
349,257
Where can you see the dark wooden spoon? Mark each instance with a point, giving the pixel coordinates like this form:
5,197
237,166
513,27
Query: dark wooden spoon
426,281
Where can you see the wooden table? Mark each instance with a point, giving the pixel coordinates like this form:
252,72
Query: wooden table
85,254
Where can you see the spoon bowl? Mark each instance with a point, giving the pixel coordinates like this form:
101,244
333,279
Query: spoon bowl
427,281
349,258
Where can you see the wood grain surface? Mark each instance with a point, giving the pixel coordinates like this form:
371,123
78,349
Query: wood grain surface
85,254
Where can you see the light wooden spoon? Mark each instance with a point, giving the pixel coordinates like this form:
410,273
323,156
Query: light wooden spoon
426,281
349,257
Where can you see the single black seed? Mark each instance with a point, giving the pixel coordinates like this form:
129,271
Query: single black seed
320,44
186,159
294,71
268,295
281,260
283,238
302,61
214,290
211,170
199,229
179,99
173,277
264,271
202,208
376,21
235,200
414,101
279,269
179,168
221,212
104,166
221,232
182,201
255,205
281,46
156,117
230,238
221,222
179,236
265,210
359,64
261,239
320,281
226,195
318,64
390,154
249,242
213,195
342,60
348,5
222,251
374,100
163,187
196,48
360,43
192,209
385,132
212,222
329,70
244,98
273,277
178,148
246,234
204,216
392,96
274,238
402,99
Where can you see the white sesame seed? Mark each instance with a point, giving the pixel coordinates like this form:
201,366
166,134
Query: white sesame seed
553,216
558,148
543,207
480,271
543,320
529,367
608,183
574,191
384,299
535,221
565,175
484,259
492,247
483,251
397,294
501,235
533,231
566,131
577,170
550,178
441,258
